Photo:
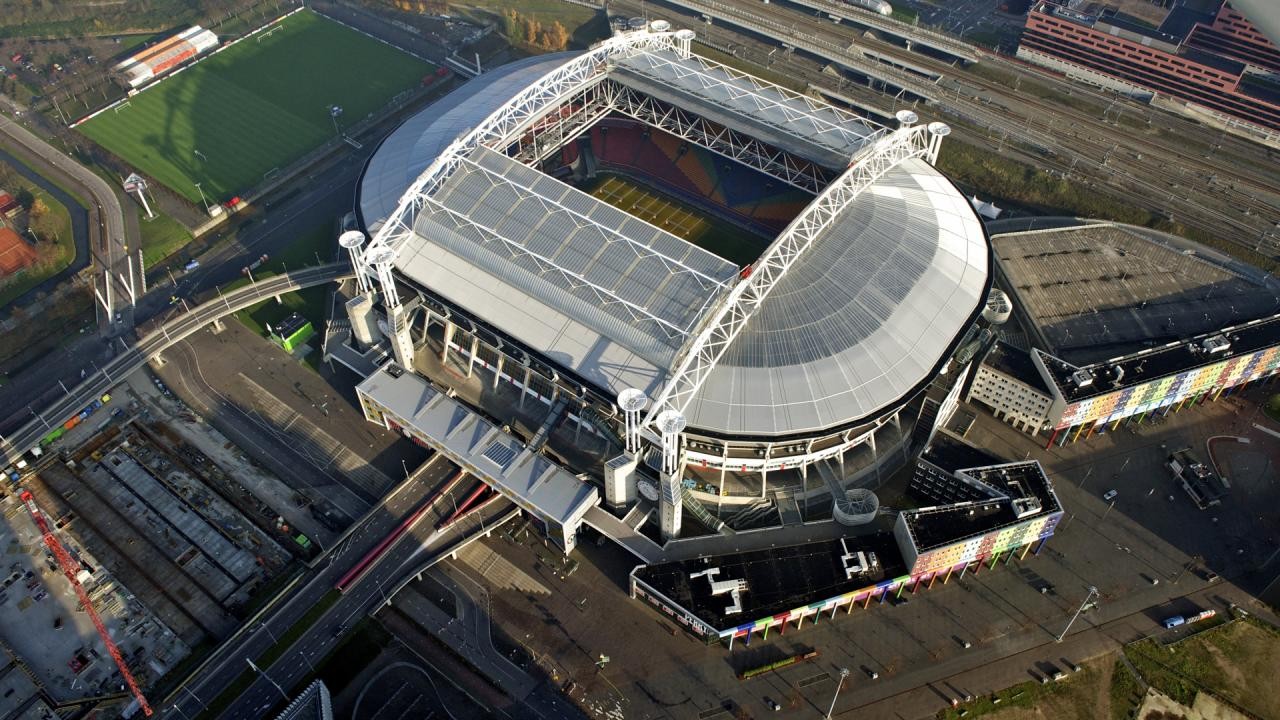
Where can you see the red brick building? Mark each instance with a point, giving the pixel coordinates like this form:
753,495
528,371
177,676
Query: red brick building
9,207
1218,65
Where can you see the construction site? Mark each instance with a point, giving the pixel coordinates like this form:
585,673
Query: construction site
180,544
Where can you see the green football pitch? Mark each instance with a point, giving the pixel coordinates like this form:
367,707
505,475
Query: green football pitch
231,119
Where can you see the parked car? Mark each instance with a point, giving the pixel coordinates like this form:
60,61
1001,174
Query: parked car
1110,495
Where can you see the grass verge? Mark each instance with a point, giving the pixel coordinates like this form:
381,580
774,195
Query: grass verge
162,236
1125,692
246,678
1235,662
54,257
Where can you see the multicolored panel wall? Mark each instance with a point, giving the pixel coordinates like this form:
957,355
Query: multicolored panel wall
1171,389
815,610
985,546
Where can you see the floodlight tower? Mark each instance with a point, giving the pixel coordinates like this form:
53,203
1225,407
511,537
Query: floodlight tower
684,40
906,118
620,472
937,131
382,261
364,326
353,241
670,424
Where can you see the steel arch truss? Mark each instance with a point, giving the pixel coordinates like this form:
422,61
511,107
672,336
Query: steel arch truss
551,132
749,92
514,117
722,141
703,349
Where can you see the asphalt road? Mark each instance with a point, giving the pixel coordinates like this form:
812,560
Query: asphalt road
165,335
412,549
108,242
328,193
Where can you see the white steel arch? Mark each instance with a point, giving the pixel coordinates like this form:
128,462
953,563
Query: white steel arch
704,348
529,106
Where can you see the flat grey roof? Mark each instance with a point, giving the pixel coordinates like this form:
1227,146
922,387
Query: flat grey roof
531,480
1102,291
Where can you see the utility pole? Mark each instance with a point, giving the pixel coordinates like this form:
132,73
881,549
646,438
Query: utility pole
844,673
1089,596
274,684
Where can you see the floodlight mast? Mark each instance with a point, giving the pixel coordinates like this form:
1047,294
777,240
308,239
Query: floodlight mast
631,401
351,241
670,508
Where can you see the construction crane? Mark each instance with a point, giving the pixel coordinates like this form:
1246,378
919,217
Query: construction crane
70,568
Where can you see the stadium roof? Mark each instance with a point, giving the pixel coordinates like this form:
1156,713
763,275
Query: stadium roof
867,315
815,131
407,152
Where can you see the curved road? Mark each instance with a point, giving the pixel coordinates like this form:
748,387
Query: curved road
156,342
108,243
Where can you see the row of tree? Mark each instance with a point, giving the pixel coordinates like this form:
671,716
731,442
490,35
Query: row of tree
521,29
40,219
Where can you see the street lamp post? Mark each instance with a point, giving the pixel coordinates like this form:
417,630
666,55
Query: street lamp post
1092,591
274,684
844,673
203,201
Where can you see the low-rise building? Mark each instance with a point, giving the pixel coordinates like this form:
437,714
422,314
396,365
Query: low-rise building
1008,382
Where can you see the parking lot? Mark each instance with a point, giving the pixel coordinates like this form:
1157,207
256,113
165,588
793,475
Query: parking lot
1148,556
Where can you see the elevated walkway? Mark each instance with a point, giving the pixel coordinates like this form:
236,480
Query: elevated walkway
620,532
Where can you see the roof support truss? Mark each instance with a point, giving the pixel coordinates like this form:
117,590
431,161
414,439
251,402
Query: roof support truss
743,90
722,141
563,123
704,348
505,123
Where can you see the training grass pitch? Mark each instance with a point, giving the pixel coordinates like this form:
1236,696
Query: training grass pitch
230,120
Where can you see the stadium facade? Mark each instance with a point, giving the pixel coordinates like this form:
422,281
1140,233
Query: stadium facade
482,244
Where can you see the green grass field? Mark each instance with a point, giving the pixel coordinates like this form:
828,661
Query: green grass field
259,105
713,235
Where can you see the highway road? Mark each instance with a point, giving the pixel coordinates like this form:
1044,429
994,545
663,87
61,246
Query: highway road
420,543
157,341
114,252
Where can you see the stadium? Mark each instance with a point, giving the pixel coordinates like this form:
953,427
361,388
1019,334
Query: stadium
732,279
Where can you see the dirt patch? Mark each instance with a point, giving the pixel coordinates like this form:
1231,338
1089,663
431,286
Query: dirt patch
1084,695
1235,662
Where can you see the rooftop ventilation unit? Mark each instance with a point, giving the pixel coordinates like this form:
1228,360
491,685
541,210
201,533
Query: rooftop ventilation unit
1024,506
1216,344
1081,378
